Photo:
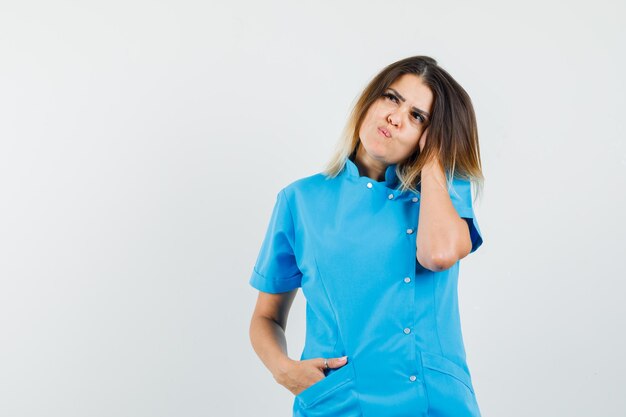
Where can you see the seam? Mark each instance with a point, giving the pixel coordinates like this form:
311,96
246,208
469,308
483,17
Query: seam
339,335
358,398
274,280
425,385
293,224
319,274
413,271
435,305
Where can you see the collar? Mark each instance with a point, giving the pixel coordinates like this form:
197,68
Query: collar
352,171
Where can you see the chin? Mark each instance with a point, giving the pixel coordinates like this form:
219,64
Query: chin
377,152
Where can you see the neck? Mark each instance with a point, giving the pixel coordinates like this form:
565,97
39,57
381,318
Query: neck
369,167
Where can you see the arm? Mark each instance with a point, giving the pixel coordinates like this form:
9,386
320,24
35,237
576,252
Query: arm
267,334
442,235
267,330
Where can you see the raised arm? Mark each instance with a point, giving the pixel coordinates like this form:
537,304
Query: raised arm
443,237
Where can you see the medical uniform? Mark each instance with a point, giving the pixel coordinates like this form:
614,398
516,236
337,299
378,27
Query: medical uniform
349,242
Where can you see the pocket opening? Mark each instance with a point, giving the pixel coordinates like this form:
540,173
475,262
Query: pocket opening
444,365
326,386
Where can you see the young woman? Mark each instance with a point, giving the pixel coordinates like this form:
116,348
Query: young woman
375,242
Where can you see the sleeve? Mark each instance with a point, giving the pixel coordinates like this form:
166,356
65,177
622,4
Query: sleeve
275,269
461,196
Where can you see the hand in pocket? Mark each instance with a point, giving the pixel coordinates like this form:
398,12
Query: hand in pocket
300,375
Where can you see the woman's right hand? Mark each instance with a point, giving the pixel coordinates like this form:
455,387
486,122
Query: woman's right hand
299,375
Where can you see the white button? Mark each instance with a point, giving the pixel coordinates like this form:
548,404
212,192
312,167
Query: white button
407,280
412,378
414,199
369,185
407,330
391,196
409,231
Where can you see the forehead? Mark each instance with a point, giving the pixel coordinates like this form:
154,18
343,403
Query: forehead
413,89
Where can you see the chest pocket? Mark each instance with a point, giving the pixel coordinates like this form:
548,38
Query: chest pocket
334,395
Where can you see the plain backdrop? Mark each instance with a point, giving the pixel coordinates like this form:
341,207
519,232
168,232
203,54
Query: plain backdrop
142,144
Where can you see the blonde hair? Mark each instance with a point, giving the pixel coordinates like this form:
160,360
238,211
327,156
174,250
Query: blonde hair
452,133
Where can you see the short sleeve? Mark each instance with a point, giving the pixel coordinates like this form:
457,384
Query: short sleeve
461,196
275,269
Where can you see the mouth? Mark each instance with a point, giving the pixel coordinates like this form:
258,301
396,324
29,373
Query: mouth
384,132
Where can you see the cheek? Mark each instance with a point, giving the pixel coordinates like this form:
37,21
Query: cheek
413,138
375,113
362,130
411,143
366,126
368,120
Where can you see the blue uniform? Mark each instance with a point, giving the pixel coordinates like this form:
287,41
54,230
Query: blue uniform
349,242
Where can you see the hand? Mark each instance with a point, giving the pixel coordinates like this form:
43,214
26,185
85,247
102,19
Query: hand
422,141
299,375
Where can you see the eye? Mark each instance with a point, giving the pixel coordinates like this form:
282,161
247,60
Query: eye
391,97
415,114
418,116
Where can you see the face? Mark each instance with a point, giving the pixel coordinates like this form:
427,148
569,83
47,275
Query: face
394,123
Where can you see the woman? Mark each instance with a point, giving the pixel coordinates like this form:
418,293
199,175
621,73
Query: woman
375,242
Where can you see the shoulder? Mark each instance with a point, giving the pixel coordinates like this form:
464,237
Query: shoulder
460,191
311,193
308,186
460,185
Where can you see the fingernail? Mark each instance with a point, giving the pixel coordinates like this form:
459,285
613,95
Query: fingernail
343,359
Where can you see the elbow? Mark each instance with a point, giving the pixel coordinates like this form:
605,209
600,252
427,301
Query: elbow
437,261
442,262
441,254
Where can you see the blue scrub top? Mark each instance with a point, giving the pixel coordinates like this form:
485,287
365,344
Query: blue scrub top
350,243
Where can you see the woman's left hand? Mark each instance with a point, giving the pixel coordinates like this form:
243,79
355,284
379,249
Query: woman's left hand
422,141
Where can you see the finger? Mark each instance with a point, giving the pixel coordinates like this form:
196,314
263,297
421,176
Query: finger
337,362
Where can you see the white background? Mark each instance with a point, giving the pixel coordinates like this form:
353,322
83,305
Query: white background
142,144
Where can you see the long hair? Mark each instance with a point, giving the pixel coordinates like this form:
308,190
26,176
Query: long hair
452,132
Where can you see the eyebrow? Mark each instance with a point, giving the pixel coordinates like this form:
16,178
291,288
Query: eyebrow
414,108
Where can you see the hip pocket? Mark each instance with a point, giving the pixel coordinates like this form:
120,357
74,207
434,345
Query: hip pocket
333,395
449,388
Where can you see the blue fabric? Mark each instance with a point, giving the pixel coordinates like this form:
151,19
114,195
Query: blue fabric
351,247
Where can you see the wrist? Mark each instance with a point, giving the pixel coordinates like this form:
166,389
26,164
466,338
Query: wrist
282,366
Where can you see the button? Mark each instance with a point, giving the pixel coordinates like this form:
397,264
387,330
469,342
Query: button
369,185
390,196
407,330
407,279
412,378
409,231
414,199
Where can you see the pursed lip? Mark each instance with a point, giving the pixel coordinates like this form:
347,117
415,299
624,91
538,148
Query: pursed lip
384,132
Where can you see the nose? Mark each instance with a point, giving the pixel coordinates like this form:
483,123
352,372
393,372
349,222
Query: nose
394,118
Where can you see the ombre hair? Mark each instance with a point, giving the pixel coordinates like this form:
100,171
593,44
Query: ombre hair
452,130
